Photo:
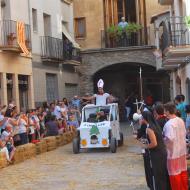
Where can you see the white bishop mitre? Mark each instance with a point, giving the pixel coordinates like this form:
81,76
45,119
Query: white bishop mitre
100,83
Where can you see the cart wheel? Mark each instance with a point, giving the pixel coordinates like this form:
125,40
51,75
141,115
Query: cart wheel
76,145
113,145
120,142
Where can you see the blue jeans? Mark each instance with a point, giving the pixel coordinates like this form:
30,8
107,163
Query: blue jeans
128,111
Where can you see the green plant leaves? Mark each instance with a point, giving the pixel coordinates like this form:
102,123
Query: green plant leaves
187,21
94,130
117,31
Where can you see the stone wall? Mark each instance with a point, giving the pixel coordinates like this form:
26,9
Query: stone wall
94,61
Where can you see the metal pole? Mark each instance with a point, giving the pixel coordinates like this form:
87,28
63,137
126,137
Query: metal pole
141,90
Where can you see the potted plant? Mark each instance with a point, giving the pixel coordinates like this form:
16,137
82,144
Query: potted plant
115,32
10,38
132,28
187,21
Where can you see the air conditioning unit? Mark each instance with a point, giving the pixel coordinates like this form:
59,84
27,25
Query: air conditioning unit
165,2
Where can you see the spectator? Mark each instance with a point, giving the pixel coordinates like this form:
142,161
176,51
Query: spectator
76,103
32,126
61,125
128,106
65,101
123,23
159,115
4,149
57,111
72,122
52,127
45,106
23,130
41,116
155,155
174,137
180,106
7,138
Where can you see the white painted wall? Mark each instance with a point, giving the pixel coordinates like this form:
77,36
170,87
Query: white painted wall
67,16
19,10
183,73
50,7
187,3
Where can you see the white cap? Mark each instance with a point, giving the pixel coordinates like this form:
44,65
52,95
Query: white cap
100,83
136,116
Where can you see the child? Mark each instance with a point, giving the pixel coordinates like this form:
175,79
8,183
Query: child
72,122
62,126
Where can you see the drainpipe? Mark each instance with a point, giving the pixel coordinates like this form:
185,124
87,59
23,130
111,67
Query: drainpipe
29,17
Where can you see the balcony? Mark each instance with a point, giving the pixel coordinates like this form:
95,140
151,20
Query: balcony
165,2
175,41
9,36
138,38
58,50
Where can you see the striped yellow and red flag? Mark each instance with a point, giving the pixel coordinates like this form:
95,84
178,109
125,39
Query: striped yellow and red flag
21,37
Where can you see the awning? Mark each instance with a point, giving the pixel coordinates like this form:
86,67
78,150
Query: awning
68,36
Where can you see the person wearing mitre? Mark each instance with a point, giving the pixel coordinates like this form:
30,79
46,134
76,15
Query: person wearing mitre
101,98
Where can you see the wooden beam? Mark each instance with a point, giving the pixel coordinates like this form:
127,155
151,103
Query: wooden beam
145,22
115,13
124,13
112,11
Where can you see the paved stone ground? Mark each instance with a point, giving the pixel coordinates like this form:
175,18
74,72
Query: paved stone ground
89,170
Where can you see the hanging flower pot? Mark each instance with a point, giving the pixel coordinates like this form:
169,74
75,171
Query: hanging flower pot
11,38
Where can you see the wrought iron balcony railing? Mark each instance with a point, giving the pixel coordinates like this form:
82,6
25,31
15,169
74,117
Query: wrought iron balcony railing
175,33
58,49
8,35
165,2
51,48
124,40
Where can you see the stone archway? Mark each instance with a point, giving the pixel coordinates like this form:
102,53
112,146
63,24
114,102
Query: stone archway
96,60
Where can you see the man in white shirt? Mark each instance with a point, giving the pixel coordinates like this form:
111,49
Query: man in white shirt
101,97
123,23
57,111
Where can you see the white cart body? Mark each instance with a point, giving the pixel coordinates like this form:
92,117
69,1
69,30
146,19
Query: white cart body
97,134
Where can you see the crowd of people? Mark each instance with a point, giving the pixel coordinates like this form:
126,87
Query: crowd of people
164,133
19,128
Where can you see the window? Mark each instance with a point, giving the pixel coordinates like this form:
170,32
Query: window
34,20
65,25
51,87
80,27
47,24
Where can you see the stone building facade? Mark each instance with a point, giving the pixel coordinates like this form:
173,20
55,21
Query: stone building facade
48,71
173,46
54,73
15,66
118,62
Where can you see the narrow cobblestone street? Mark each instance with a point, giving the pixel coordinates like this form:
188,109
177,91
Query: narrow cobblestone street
89,170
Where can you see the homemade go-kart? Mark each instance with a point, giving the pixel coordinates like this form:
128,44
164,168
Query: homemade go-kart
99,128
